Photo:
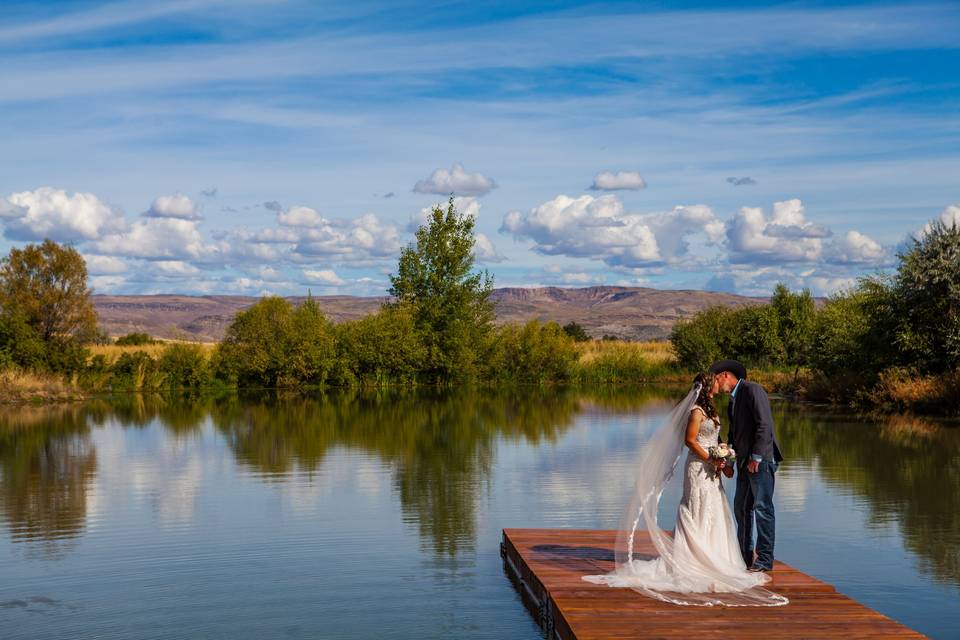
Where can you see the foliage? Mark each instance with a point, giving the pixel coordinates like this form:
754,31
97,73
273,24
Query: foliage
576,331
796,316
45,311
534,353
134,340
926,291
450,303
703,339
383,348
184,366
273,344
47,283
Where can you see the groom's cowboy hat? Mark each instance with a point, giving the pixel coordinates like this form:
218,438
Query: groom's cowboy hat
732,366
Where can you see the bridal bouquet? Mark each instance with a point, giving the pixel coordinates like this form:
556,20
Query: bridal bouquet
723,451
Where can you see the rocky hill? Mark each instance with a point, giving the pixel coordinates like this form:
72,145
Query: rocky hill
632,313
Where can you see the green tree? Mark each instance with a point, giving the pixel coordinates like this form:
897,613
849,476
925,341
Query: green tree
926,289
450,303
704,338
272,344
755,336
47,284
853,332
576,331
383,347
46,315
535,353
796,316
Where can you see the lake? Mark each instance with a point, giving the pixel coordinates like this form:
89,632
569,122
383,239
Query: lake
361,515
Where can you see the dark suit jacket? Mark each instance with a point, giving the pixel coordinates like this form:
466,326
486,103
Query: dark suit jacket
751,424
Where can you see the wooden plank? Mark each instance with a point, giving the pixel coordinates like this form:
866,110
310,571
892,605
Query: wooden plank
547,565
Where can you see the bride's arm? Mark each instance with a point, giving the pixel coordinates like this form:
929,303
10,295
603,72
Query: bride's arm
693,428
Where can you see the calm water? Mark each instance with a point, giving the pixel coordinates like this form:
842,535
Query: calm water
361,516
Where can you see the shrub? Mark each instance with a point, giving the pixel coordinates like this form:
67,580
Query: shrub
382,348
535,353
575,331
135,340
703,339
184,366
271,344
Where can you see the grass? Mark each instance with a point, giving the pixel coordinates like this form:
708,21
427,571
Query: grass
111,352
18,386
617,361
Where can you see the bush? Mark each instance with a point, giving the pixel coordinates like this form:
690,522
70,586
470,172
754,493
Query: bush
753,336
184,366
271,344
534,353
703,339
135,340
135,371
383,348
926,291
575,331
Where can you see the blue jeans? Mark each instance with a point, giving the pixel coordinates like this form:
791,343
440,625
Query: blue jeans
754,501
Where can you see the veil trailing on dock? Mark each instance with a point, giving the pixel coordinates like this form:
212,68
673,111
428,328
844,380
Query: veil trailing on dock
697,565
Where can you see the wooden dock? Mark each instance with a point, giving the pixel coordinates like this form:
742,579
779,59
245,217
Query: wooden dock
546,566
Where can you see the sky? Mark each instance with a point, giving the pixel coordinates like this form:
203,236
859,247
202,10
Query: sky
274,147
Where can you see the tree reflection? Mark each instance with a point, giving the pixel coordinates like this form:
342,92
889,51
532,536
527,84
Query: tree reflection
908,469
46,465
439,443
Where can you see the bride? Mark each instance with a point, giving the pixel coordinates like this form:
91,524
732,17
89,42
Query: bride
701,563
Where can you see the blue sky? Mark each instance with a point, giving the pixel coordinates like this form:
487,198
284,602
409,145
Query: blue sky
254,146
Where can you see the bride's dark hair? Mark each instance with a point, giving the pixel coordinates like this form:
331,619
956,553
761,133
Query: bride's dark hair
704,401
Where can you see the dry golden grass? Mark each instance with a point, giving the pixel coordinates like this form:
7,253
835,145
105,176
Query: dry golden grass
652,352
24,386
111,352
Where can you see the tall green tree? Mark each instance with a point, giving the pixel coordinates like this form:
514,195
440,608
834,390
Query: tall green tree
927,293
796,316
47,285
46,315
450,302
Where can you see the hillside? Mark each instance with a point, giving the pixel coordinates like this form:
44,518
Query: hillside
633,313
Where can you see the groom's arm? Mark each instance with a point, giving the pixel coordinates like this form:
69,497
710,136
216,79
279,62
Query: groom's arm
763,419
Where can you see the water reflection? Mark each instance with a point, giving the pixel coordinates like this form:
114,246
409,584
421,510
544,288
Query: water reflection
907,469
440,449
46,465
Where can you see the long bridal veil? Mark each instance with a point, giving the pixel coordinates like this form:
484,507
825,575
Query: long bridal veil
693,566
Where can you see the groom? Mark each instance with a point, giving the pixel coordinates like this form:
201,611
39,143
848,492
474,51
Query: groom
751,434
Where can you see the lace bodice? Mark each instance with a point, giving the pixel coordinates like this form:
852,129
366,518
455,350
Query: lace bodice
709,434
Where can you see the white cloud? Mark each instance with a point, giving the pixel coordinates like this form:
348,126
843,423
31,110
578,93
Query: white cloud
175,268
176,206
159,239
353,239
609,181
300,217
105,265
600,228
485,251
457,181
51,213
787,236
856,248
325,277
950,217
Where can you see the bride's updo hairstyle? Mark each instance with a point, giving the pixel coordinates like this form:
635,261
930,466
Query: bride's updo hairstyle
704,401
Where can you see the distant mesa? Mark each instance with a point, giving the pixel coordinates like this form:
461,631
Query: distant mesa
629,313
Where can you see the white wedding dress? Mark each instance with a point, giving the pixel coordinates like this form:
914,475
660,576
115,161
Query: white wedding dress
701,564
